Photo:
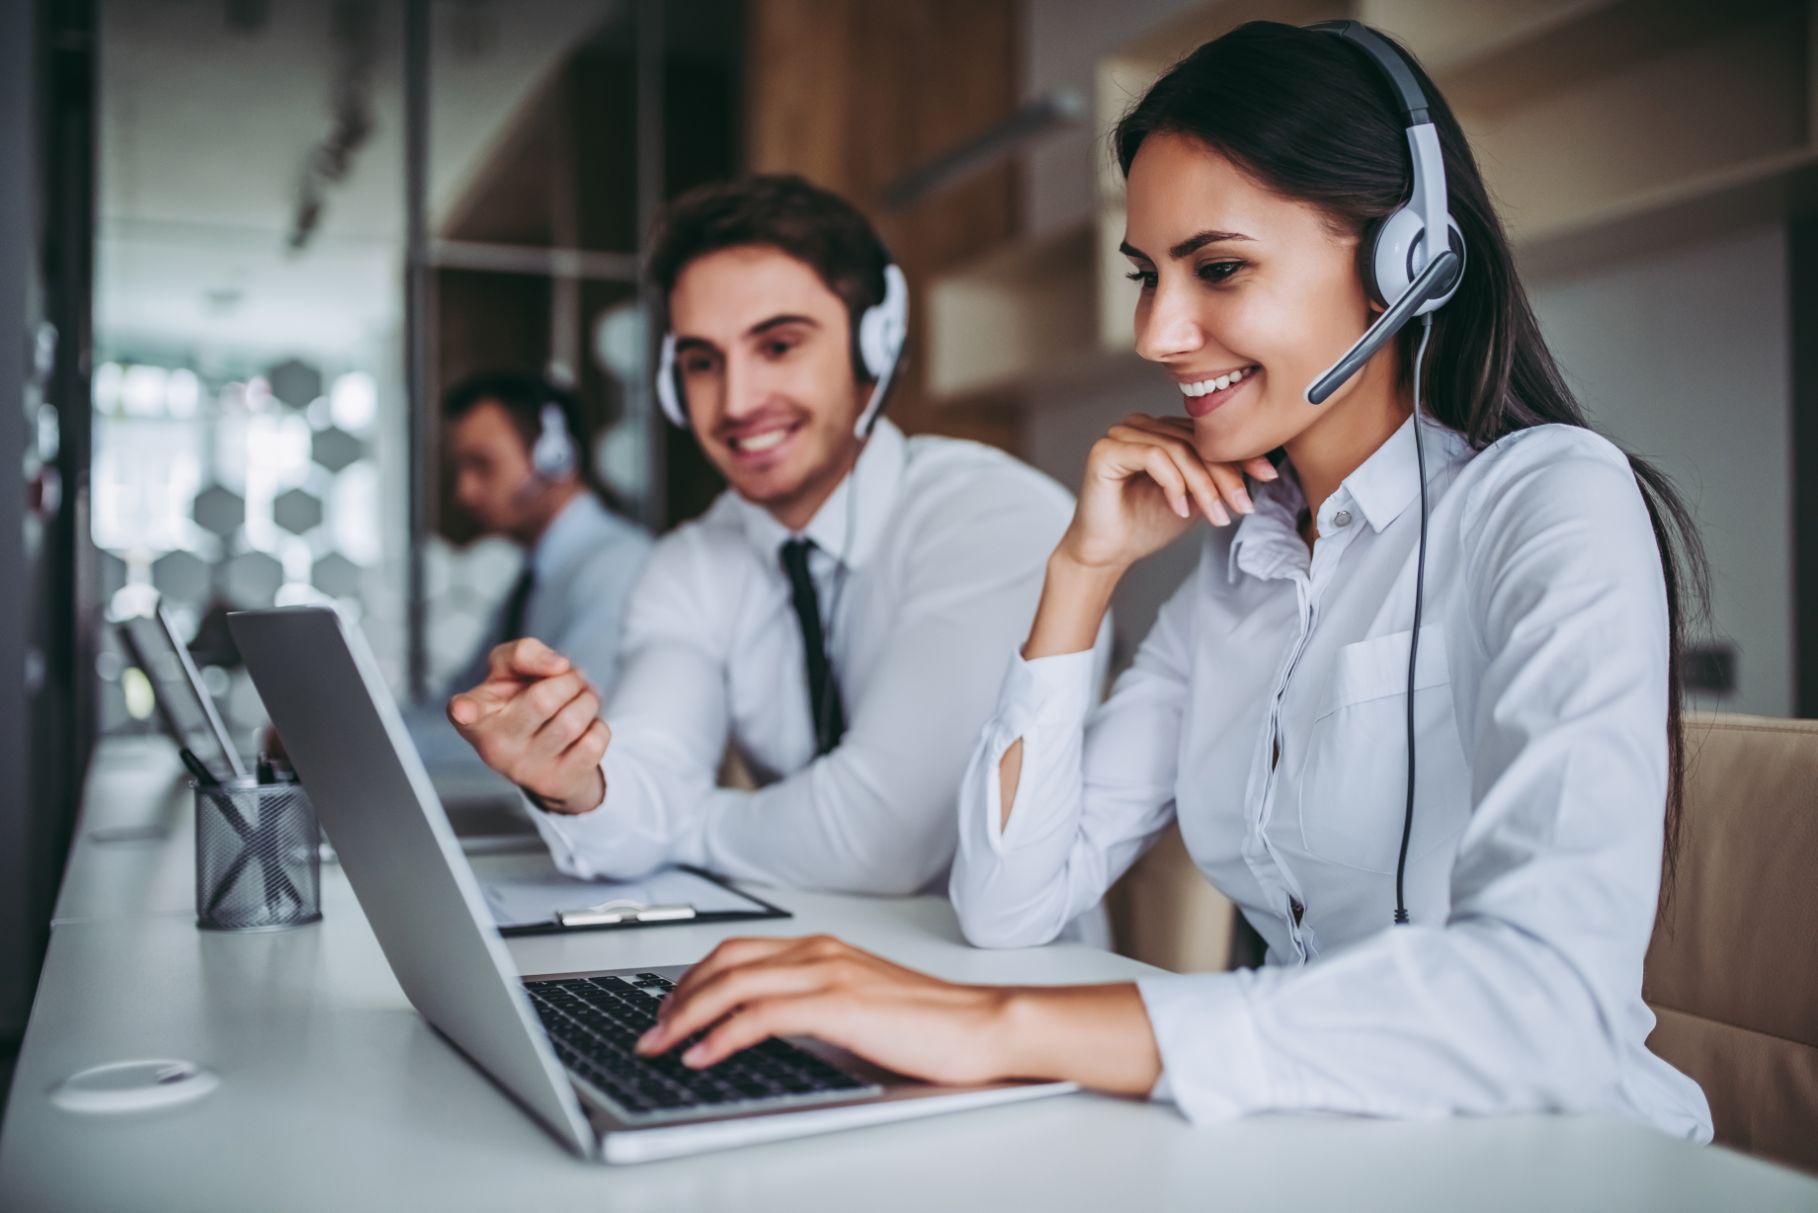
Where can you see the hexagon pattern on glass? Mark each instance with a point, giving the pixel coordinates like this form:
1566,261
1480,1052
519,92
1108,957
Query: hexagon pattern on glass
336,576
181,575
294,382
298,528
297,511
219,510
335,449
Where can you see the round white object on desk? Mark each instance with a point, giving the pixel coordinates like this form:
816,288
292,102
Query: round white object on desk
134,1086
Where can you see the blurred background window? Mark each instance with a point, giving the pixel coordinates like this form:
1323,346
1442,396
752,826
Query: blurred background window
254,437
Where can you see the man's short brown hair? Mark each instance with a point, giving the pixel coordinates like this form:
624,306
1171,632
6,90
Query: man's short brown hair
785,212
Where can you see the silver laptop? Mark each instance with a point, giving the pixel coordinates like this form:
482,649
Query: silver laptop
184,706
559,1044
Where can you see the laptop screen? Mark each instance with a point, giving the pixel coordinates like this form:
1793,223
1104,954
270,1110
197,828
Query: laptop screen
184,709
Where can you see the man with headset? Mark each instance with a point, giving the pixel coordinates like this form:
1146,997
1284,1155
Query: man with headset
519,471
840,615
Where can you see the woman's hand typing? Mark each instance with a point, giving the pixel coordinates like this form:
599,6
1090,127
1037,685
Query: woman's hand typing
747,990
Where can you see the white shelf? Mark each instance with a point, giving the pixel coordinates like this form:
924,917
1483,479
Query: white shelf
1011,317
1760,190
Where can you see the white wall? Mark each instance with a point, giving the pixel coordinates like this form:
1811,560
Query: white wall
1683,356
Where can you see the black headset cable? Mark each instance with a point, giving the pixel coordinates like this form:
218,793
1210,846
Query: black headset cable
1420,577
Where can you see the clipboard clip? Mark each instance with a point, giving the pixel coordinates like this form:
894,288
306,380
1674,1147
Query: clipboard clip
621,910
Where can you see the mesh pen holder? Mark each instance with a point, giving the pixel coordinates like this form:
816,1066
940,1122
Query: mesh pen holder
258,857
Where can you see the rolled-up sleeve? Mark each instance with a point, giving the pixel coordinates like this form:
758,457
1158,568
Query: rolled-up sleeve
1096,786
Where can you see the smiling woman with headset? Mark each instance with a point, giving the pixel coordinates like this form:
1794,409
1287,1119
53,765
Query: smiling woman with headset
1416,713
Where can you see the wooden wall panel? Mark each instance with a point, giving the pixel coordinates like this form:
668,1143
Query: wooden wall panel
852,93
1802,235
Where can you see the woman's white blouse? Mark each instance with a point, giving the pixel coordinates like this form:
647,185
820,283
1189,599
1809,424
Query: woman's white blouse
1266,711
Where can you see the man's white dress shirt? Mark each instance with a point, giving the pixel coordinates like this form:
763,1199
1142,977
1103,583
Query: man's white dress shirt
948,548
1266,711
585,564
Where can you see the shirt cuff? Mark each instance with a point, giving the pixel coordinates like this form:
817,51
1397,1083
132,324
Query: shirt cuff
624,835
1055,690
1212,1055
561,844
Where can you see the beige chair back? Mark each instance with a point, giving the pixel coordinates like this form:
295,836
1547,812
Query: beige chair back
1165,912
1732,972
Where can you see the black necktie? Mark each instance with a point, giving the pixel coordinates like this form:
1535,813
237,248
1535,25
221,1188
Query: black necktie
824,706
511,622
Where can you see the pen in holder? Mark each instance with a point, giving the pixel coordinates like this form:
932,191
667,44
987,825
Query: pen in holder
258,863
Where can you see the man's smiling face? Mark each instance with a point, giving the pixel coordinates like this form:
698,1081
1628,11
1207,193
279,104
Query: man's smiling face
764,365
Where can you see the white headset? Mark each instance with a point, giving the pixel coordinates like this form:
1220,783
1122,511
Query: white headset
553,455
1403,271
883,331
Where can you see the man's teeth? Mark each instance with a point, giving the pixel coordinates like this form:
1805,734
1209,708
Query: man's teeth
1219,384
761,442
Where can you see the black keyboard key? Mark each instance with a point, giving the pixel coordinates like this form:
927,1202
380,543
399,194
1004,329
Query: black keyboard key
612,984
594,1025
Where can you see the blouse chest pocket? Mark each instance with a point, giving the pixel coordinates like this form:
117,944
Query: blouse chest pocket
1353,788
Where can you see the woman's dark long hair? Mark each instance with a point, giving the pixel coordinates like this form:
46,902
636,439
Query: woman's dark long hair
1313,118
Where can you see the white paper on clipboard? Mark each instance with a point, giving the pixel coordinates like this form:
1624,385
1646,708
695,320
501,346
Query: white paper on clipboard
534,899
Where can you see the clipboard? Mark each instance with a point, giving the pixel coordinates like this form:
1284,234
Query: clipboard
545,902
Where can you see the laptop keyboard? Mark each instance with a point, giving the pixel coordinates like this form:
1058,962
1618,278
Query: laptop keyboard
594,1022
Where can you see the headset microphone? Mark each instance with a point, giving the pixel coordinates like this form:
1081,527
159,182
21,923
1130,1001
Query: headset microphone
1436,279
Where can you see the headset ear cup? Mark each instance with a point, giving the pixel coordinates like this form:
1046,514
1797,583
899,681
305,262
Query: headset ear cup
884,326
1457,242
870,341
553,455
882,333
1399,242
1391,258
668,397
1367,245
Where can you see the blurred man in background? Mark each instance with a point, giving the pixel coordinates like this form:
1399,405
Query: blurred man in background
521,468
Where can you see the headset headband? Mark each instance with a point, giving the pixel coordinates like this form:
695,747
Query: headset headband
1428,196
1416,258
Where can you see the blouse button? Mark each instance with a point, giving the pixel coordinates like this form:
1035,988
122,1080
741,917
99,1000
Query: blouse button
1342,518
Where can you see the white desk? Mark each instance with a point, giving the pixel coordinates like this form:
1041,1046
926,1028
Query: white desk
335,1095
133,852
